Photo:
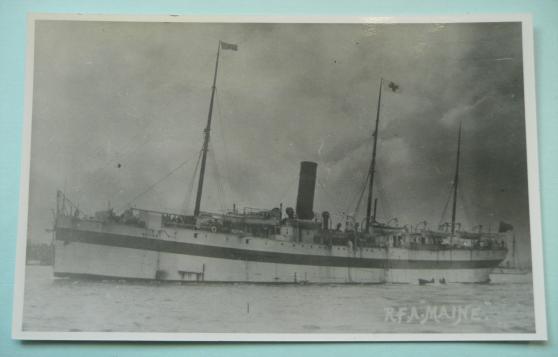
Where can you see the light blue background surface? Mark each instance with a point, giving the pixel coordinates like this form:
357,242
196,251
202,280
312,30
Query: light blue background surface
12,55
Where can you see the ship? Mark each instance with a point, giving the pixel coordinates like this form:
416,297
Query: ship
275,245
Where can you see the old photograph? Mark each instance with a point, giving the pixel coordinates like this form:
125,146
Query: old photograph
280,179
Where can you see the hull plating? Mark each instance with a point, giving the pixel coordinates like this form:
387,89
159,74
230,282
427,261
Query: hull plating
85,248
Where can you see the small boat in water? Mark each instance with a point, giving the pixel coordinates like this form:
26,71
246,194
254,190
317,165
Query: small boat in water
425,282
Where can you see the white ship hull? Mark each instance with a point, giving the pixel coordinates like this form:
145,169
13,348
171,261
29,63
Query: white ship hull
95,249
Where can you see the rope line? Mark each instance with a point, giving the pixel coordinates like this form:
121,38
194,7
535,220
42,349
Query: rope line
226,162
444,211
159,181
220,190
464,207
362,192
382,198
188,198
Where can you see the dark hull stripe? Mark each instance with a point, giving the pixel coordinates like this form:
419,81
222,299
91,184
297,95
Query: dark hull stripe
160,245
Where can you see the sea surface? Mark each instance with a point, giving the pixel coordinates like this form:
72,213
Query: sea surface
53,304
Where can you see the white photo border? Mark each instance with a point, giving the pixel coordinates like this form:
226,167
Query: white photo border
540,333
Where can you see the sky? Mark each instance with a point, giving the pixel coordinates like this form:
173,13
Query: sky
119,105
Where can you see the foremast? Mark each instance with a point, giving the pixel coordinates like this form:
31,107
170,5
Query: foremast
207,130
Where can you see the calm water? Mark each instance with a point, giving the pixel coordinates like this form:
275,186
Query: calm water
88,305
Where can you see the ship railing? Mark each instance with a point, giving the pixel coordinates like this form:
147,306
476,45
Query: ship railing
426,246
252,210
254,213
179,225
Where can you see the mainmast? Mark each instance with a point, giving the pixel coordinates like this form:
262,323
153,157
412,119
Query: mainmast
455,182
206,131
373,165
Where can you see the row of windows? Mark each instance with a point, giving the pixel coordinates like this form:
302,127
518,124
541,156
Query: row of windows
247,241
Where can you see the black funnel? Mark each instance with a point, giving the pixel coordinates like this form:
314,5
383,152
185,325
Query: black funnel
306,187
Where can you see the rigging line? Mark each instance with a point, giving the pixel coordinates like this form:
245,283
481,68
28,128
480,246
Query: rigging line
359,202
189,195
159,181
220,190
444,211
131,142
382,198
225,146
362,192
126,152
464,206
